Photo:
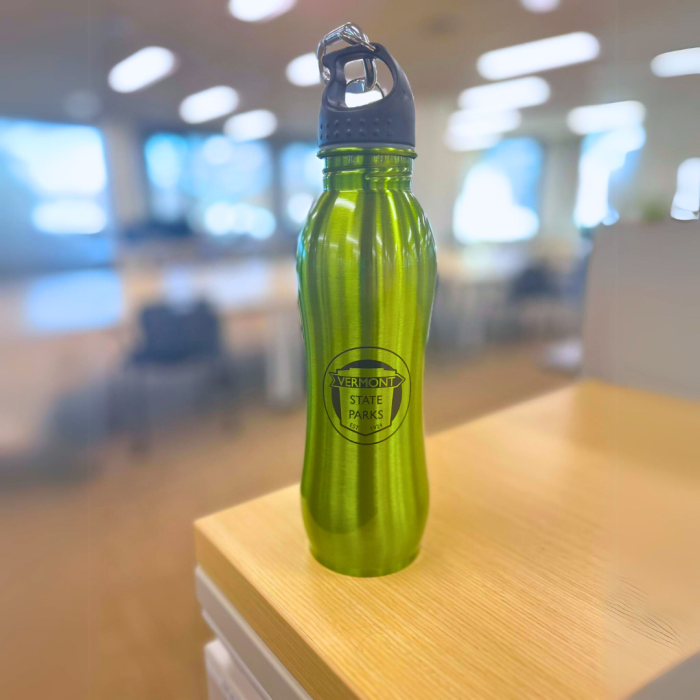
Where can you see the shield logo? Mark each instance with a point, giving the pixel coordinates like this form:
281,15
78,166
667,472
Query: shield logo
366,396
363,396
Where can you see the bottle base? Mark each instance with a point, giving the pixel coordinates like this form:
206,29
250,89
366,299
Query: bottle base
369,572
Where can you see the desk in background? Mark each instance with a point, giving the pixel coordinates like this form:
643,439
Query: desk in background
94,305
99,309
560,560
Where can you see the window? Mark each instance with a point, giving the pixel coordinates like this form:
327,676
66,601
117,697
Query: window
302,181
499,201
686,202
211,183
604,166
53,178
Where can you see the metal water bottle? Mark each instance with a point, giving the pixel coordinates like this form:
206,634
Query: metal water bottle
367,270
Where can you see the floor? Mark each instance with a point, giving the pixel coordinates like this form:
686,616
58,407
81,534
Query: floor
97,588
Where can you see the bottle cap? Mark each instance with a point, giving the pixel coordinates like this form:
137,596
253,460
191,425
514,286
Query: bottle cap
390,121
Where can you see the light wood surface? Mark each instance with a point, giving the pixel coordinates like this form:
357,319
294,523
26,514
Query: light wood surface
560,561
97,572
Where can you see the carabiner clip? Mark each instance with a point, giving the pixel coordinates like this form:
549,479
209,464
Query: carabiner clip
354,36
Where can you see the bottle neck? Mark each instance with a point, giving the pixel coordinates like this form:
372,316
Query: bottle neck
364,168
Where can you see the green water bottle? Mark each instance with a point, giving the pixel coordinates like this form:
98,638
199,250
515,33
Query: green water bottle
367,270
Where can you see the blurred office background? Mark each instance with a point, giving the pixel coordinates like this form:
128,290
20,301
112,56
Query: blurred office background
157,160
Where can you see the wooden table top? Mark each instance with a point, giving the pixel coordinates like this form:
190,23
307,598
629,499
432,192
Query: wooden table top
560,561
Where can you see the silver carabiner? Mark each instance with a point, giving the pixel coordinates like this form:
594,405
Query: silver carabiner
354,36
356,86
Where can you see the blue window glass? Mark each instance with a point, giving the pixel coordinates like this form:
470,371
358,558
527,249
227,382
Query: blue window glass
686,201
302,181
500,197
53,178
213,184
607,161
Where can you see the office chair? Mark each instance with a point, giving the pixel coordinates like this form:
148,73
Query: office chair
172,338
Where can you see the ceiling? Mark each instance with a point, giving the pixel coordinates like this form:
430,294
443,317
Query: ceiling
49,49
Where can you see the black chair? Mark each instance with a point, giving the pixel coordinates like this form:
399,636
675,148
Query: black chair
173,337
533,302
535,282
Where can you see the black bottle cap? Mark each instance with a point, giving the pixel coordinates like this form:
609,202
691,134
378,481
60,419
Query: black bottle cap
390,121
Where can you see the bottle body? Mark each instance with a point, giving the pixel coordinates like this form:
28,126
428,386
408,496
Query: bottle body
367,270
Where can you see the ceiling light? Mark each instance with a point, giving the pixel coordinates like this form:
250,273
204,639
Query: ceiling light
141,69
683,62
455,142
251,126
259,10
472,122
598,118
540,5
473,130
536,56
209,104
303,70
511,94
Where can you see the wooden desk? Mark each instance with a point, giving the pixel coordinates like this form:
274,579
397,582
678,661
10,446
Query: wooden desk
560,561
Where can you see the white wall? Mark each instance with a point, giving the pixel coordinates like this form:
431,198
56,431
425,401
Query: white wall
559,239
437,171
123,146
